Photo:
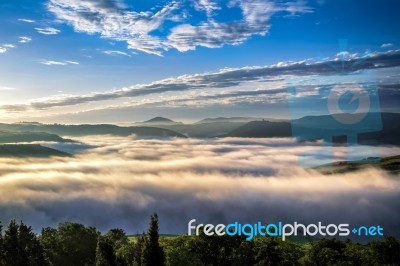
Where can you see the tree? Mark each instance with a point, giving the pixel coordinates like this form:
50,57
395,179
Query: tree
138,249
326,252
21,246
114,249
153,253
1,246
70,244
105,254
386,252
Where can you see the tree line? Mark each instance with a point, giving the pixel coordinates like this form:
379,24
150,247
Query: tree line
73,244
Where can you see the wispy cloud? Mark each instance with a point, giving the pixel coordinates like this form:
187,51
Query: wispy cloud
27,20
114,52
137,28
9,45
5,47
58,63
48,31
387,45
25,39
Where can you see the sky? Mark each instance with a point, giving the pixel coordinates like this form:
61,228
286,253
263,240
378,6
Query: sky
111,61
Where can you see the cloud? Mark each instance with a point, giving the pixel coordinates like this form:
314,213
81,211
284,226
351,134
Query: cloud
24,39
122,181
58,63
387,45
5,47
27,20
113,20
110,21
113,52
48,31
212,34
208,6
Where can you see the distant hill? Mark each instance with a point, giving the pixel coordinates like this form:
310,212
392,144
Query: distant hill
16,137
29,150
158,122
262,129
84,130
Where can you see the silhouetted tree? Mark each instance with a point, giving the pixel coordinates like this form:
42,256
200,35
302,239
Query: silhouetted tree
153,253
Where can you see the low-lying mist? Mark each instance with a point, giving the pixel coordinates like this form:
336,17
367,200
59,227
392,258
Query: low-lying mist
121,181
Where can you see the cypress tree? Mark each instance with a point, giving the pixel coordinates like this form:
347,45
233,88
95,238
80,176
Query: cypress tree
153,253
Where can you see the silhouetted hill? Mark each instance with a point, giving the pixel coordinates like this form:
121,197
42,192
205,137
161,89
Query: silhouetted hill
262,129
160,119
29,150
15,137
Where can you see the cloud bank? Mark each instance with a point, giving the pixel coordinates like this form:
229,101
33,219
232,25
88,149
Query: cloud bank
122,181
261,81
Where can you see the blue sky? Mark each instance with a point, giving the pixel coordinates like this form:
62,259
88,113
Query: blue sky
118,61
